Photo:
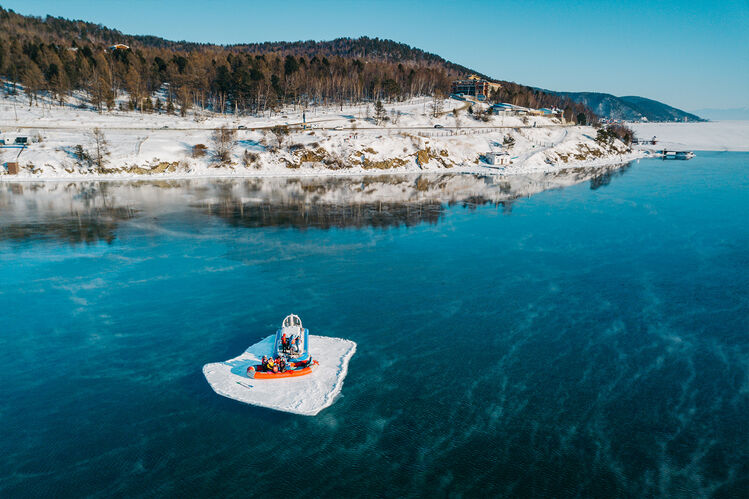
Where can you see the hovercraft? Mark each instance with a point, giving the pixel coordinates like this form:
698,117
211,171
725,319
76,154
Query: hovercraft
291,348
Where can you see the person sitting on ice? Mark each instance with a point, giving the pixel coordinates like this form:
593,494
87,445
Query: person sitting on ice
264,362
281,365
270,365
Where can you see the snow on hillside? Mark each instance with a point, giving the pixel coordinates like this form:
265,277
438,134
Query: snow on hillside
341,141
705,136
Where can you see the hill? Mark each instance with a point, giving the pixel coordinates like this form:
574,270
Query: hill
56,29
630,108
57,56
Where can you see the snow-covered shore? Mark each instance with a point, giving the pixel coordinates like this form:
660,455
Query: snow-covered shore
703,136
342,142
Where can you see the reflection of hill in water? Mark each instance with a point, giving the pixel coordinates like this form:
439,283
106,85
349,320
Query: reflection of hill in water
326,216
76,212
379,201
89,227
92,211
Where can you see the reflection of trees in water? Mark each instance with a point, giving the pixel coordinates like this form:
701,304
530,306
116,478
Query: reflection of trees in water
607,176
87,212
474,202
92,215
326,216
305,202
88,227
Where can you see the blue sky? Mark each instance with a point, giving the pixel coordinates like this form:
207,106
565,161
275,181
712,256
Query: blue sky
689,54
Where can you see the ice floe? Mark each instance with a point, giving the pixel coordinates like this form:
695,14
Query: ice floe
307,395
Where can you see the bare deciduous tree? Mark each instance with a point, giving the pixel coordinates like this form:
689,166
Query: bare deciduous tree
223,143
279,132
250,159
99,148
33,81
183,98
437,102
198,150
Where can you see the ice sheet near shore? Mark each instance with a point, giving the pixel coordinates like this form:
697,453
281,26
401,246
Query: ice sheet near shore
307,395
704,136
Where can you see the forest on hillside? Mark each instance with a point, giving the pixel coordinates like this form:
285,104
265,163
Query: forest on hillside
57,56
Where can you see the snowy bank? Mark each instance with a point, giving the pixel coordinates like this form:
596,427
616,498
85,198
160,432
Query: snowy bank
137,146
704,136
307,395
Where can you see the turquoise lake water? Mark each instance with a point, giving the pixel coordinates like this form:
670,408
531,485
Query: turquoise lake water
582,334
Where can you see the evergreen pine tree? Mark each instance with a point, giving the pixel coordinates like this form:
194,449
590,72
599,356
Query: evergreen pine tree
379,112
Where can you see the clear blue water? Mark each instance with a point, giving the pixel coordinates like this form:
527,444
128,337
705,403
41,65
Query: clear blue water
584,341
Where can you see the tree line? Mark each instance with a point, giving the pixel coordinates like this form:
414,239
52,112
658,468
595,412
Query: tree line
59,57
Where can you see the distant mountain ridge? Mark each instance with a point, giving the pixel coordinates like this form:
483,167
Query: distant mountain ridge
629,108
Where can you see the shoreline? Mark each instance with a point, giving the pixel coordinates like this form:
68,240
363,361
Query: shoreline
333,144
322,172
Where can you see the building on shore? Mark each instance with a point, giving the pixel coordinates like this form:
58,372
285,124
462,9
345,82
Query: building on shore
509,109
545,111
498,158
474,86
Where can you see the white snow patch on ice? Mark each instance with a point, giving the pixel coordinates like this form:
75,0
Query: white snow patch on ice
307,395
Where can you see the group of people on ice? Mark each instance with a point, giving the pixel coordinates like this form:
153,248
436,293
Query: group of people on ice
277,365
290,344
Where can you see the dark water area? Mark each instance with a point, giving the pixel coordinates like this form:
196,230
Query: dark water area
577,334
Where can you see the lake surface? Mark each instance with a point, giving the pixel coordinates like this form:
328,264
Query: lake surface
578,334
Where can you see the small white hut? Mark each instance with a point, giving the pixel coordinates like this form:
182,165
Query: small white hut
498,158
